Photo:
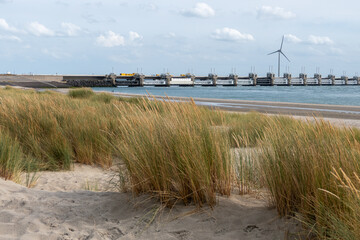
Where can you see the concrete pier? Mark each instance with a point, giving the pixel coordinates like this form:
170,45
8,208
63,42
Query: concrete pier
303,76
253,77
345,79
287,76
213,78
234,77
167,79
139,78
332,79
271,77
318,78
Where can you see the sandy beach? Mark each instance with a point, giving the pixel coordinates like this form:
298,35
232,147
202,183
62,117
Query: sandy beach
59,207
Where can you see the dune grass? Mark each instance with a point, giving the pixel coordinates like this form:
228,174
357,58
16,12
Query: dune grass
249,127
176,155
343,223
56,130
179,152
11,157
297,166
177,141
81,93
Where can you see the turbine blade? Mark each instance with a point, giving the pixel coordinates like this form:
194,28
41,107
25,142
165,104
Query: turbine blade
282,42
273,52
284,55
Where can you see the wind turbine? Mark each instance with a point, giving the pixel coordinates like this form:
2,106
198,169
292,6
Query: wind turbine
280,52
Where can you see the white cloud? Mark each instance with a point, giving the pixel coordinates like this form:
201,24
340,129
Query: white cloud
170,35
110,39
318,40
230,34
55,54
134,36
153,7
268,12
312,40
70,28
292,38
149,6
62,3
4,25
336,51
40,30
10,38
202,10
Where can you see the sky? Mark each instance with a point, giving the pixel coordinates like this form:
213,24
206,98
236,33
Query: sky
178,36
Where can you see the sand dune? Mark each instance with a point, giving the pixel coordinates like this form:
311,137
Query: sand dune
64,210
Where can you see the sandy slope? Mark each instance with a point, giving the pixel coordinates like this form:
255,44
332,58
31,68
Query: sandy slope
63,210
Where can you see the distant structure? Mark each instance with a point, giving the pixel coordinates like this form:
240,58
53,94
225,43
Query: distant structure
280,52
168,80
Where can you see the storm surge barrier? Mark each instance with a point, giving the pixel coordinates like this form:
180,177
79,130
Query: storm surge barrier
168,80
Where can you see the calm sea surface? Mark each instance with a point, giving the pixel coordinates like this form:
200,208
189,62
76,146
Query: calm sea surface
339,95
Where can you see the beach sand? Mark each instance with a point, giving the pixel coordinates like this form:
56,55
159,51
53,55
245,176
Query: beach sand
59,207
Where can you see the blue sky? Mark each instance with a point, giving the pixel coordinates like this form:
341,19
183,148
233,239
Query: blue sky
85,37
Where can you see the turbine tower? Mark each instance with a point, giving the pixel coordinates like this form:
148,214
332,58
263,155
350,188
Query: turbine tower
280,52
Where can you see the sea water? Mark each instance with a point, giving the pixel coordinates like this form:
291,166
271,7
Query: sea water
338,95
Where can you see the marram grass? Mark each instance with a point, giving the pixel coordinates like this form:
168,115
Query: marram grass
298,164
176,141
81,93
11,157
56,130
183,153
176,155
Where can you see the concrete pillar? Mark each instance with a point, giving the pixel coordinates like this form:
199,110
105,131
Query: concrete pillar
318,77
288,77
139,78
271,77
253,76
357,79
303,76
112,78
346,79
234,77
305,80
167,78
192,78
332,77
213,77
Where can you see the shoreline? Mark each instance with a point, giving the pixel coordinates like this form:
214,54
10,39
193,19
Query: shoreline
333,113
345,112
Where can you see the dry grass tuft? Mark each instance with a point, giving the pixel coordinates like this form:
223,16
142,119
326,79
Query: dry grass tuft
297,165
172,150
